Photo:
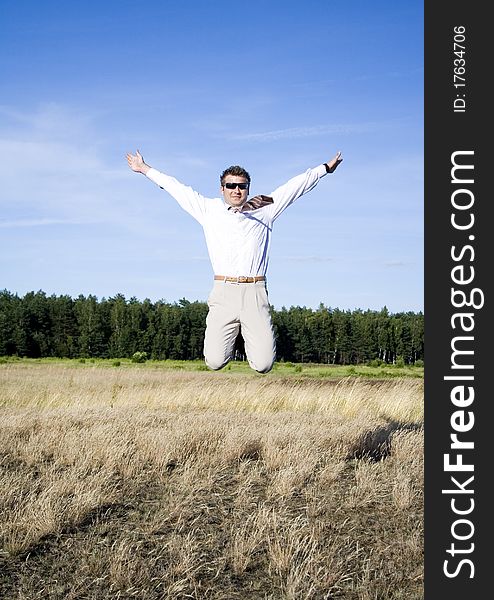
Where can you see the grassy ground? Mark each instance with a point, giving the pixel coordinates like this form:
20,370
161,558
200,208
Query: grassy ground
152,482
280,369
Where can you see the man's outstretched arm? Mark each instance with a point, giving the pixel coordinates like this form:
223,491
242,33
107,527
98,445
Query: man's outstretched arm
287,193
188,199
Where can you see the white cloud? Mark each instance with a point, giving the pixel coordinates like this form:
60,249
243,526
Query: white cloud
42,222
51,121
54,171
396,264
307,259
301,132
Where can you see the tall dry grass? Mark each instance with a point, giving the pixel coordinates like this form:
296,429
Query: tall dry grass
53,386
140,484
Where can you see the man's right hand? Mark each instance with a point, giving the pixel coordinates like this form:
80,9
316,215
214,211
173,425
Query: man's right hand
136,163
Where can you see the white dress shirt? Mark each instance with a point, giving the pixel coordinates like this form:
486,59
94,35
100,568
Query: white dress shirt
238,242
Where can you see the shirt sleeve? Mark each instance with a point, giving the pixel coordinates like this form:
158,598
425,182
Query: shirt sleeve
287,193
190,200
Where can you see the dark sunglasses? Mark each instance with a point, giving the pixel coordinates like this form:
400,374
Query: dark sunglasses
232,185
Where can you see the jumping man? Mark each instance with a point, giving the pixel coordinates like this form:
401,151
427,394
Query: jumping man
238,237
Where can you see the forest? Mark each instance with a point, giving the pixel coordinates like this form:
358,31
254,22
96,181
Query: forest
37,325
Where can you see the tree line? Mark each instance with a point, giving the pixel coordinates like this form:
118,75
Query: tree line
37,325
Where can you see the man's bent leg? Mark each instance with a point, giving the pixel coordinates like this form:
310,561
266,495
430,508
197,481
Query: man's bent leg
222,327
257,329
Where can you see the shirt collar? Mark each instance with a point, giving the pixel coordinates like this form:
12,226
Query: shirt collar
233,209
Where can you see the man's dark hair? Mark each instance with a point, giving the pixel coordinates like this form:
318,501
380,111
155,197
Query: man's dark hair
234,170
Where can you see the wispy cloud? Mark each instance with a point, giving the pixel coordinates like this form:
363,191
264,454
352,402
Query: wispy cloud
52,121
167,257
301,132
306,259
393,264
54,172
16,223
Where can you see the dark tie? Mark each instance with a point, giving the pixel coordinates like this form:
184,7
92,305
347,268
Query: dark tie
256,202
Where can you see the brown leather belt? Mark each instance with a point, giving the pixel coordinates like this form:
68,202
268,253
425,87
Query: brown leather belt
240,279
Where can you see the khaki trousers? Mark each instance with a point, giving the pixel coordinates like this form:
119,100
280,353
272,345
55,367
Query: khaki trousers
243,307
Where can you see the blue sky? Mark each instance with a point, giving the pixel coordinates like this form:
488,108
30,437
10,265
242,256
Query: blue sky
274,86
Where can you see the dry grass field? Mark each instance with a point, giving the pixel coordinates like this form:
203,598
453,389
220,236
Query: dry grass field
152,484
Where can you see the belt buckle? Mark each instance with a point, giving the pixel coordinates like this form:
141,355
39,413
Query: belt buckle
242,279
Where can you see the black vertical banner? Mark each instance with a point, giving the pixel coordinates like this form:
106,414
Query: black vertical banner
459,431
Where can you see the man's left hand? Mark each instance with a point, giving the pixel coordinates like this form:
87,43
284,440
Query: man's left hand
334,162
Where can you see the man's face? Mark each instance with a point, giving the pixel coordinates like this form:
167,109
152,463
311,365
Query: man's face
236,196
